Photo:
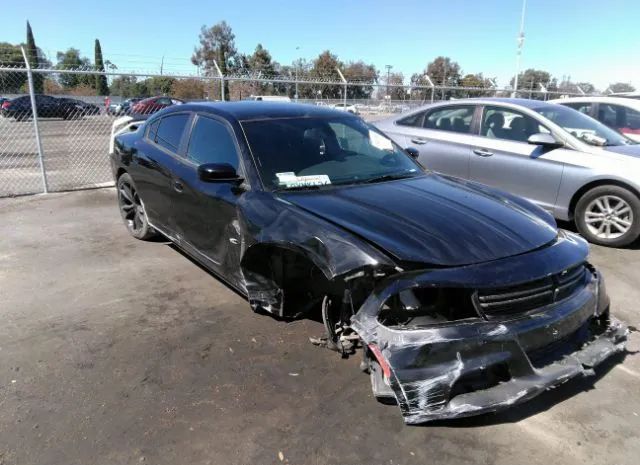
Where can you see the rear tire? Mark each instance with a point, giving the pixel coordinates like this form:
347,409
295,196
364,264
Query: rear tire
132,209
608,215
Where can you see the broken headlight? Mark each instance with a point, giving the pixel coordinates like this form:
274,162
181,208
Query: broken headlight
427,306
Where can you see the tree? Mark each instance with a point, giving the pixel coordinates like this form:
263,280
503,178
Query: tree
71,59
420,87
621,87
11,57
393,91
101,80
188,89
530,80
32,57
261,65
324,69
216,44
159,85
443,71
587,87
475,80
359,71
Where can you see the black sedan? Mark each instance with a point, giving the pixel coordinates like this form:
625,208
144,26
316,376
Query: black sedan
464,299
47,106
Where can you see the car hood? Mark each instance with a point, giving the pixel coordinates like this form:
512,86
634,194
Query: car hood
433,219
630,150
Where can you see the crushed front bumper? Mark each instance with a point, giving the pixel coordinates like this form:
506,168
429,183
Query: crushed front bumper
474,366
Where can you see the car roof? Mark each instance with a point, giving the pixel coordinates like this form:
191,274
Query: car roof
253,110
628,102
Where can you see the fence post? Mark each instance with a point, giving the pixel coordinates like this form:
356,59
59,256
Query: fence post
221,80
433,87
344,81
34,110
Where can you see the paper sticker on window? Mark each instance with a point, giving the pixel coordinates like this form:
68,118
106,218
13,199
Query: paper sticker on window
379,141
289,179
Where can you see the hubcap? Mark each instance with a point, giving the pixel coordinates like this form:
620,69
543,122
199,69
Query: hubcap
608,217
131,207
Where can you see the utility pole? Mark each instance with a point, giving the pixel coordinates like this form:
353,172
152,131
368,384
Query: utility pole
161,65
520,40
388,77
297,66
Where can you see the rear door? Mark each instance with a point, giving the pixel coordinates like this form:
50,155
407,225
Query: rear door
157,157
502,157
443,137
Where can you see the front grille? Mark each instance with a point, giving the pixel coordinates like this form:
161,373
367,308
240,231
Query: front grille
498,302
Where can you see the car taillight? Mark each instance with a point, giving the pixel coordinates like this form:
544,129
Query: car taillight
6,105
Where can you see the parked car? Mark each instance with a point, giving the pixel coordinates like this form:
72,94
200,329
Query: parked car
458,293
270,98
349,107
47,107
619,113
566,162
2,100
152,104
124,108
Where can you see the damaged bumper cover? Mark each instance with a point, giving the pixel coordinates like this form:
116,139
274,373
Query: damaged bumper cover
485,364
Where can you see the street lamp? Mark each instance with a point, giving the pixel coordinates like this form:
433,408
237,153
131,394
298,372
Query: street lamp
520,40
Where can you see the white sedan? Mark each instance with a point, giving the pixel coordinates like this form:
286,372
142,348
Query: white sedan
346,107
619,113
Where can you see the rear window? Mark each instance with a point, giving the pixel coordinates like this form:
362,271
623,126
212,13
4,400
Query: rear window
170,130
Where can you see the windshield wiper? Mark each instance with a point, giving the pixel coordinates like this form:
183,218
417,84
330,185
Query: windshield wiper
388,177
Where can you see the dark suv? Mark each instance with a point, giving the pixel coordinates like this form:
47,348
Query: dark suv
47,107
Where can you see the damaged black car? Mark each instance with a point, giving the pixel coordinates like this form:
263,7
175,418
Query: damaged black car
464,299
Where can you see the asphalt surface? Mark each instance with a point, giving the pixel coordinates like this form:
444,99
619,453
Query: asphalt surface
116,351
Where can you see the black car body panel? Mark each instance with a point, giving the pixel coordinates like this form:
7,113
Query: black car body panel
466,299
431,220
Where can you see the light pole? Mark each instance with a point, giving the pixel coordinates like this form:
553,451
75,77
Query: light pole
297,66
519,51
388,75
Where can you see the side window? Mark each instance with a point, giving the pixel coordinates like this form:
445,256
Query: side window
633,121
170,131
610,115
504,123
414,120
163,101
211,142
153,129
582,107
454,119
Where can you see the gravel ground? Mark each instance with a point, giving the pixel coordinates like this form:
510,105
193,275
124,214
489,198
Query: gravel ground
116,351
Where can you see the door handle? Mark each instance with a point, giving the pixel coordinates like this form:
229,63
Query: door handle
419,140
178,186
483,152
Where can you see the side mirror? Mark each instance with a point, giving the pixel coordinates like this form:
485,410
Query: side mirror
544,140
218,172
412,152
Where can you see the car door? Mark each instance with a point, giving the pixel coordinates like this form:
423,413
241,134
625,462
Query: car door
46,106
206,219
442,136
503,158
156,158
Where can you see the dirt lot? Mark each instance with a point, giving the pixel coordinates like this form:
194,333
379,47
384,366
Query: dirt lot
115,351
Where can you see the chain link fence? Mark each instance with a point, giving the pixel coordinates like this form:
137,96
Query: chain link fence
54,129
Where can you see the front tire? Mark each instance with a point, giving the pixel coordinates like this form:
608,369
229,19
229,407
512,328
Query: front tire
609,215
132,209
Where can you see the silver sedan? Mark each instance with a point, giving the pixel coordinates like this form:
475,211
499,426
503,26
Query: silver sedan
566,162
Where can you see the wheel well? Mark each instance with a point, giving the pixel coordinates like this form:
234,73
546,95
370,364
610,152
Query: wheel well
298,284
120,172
600,182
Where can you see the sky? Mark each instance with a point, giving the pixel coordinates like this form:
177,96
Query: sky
589,40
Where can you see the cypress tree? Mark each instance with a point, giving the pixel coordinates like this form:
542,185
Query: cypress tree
101,80
32,56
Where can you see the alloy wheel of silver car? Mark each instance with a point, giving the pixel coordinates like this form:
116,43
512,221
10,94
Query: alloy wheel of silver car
608,217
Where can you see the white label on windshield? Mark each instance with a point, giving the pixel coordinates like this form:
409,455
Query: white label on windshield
379,141
289,179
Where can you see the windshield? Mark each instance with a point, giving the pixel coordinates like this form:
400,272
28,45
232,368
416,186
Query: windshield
582,126
303,153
